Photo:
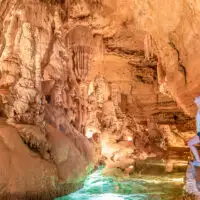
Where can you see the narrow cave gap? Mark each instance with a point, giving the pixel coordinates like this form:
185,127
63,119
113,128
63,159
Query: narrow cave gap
66,110
181,67
78,81
175,117
32,147
53,27
83,17
73,123
48,98
2,115
60,1
82,129
3,44
15,113
61,128
74,64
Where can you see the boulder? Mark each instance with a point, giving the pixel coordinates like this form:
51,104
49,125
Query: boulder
25,174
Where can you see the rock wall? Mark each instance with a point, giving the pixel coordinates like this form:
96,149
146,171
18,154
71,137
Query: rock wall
40,167
174,29
129,115
123,73
44,64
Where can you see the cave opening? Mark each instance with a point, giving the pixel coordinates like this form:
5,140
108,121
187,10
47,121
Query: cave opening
124,103
48,98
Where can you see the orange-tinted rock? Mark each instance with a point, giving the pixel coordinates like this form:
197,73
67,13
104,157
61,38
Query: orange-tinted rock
24,171
123,73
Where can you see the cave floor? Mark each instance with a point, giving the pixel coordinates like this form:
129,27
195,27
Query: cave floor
153,179
137,187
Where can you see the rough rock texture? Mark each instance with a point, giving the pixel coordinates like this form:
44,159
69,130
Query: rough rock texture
43,67
133,119
124,73
38,168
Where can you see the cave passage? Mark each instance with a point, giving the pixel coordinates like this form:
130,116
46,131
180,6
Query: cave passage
136,187
86,83
152,179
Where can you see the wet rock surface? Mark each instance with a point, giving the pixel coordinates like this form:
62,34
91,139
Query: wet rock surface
115,184
29,172
121,73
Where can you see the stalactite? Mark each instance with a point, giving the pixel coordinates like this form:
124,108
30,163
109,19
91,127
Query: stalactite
82,56
58,22
181,67
24,88
160,72
38,73
99,47
102,90
81,42
9,34
17,40
83,105
57,98
148,47
8,71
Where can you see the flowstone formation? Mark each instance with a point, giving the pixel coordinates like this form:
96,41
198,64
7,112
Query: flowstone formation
129,119
121,73
44,100
176,42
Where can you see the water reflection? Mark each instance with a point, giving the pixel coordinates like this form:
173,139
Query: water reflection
136,187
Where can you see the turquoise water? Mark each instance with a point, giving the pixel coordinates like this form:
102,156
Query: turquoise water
136,187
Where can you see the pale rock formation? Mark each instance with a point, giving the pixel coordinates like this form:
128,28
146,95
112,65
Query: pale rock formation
40,168
122,73
43,78
132,118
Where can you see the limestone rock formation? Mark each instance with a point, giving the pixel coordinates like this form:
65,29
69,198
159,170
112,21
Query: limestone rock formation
33,166
130,115
122,73
43,75
176,41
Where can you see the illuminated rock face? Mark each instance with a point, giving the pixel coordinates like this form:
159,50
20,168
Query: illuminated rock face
176,43
121,72
130,116
41,168
44,98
